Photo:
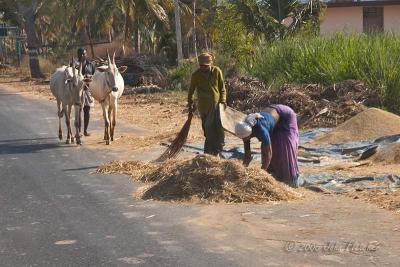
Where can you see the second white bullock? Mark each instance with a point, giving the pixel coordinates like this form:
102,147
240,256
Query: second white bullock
107,87
66,84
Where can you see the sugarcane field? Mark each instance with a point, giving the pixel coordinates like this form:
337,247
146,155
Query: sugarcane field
200,133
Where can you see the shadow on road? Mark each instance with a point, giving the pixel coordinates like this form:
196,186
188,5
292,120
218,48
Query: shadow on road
18,148
28,139
81,169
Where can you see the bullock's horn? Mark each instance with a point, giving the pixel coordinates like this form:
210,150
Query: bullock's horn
114,58
108,56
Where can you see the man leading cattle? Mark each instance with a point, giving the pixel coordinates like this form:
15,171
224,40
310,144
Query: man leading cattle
88,69
209,83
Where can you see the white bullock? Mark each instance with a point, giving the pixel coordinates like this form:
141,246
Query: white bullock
106,87
66,84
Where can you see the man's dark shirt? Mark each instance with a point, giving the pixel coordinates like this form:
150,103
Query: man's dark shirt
88,68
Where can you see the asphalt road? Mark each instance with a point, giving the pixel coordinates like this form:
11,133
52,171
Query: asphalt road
55,212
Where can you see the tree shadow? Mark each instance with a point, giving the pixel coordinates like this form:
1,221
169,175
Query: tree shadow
27,139
18,147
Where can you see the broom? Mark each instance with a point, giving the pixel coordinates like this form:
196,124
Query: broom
176,145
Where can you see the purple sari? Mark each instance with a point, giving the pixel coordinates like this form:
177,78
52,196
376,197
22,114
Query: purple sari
284,142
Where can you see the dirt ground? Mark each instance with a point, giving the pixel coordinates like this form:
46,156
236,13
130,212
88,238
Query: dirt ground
156,118
293,227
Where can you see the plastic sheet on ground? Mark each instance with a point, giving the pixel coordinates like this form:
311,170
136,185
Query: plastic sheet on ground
330,182
315,155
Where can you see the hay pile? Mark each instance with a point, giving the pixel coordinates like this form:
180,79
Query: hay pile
132,168
315,105
368,125
387,155
206,178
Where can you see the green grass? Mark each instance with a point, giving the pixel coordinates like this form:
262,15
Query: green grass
374,60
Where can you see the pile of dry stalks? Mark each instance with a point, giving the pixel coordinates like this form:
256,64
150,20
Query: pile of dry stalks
132,168
205,178
315,105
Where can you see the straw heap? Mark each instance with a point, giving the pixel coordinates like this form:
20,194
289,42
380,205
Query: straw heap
207,178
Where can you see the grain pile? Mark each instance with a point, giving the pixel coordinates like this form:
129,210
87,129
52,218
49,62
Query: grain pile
206,178
387,155
315,105
367,125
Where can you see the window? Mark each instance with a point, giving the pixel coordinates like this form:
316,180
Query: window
372,19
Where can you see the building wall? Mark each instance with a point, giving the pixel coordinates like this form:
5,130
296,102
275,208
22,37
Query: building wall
350,20
391,18
342,19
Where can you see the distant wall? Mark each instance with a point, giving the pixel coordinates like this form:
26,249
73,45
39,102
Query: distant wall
350,20
391,17
342,19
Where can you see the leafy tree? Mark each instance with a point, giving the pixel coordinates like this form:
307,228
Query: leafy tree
25,13
275,19
231,36
136,14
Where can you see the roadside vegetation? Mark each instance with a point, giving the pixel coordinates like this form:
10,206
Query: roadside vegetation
373,59
277,42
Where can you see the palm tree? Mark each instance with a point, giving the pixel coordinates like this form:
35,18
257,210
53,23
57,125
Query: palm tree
135,13
266,17
65,23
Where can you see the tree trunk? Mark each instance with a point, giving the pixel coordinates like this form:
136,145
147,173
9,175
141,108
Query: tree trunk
110,38
89,34
206,41
137,32
127,27
137,38
83,36
194,29
178,31
29,17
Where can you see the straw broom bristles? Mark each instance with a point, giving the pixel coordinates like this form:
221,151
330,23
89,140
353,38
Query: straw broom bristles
177,144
